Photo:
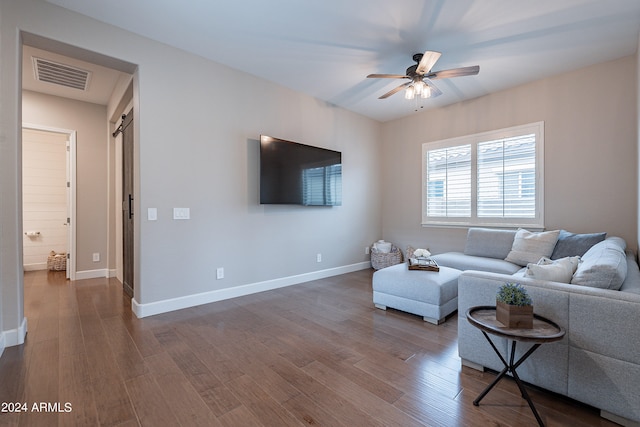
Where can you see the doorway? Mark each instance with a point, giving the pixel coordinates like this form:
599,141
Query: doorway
49,225
91,249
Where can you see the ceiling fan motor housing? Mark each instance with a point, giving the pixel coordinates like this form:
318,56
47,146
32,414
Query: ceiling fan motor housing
411,71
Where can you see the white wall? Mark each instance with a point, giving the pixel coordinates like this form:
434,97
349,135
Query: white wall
197,129
591,155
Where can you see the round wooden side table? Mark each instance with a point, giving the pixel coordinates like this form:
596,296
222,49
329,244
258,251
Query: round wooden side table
544,331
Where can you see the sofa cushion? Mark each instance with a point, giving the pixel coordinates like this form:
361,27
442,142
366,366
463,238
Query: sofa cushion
487,242
460,261
571,244
632,281
603,266
560,270
529,247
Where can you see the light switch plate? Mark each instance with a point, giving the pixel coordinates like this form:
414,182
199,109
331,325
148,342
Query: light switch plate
181,213
152,214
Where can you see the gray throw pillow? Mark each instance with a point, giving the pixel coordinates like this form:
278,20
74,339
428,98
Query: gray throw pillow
571,244
603,266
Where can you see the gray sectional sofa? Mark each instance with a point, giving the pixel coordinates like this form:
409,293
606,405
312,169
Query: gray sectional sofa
598,360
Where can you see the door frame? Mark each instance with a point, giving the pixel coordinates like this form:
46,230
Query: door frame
71,200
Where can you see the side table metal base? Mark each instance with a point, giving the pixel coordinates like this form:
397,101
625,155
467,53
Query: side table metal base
511,368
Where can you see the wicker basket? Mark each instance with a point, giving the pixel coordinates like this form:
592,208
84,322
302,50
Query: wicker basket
57,262
381,260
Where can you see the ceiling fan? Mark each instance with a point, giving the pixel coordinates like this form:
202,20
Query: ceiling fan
420,76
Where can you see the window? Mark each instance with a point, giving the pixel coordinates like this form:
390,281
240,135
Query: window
489,179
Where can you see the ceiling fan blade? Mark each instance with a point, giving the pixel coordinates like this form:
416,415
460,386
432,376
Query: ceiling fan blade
454,72
395,90
428,61
387,76
434,90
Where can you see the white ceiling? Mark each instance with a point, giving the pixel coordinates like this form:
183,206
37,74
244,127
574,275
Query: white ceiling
325,48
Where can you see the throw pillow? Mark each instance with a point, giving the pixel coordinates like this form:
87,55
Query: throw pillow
571,244
604,265
529,247
560,270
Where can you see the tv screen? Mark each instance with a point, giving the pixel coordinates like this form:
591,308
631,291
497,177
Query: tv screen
296,174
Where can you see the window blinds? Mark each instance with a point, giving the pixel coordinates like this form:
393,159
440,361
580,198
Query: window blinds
506,178
449,182
494,178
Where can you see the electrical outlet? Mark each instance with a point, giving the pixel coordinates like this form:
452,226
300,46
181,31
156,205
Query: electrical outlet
366,250
319,258
220,273
96,257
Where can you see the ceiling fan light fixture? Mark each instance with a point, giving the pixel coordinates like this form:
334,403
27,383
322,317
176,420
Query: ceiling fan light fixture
410,93
426,91
419,85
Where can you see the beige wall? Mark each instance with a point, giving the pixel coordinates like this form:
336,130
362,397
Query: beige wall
90,123
590,153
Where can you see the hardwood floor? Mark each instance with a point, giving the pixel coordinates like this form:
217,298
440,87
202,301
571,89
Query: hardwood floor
318,353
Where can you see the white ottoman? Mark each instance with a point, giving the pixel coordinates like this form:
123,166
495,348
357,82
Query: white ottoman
430,294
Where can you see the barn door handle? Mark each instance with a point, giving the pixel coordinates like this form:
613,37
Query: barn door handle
130,207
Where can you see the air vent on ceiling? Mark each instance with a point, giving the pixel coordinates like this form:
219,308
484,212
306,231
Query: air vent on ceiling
61,74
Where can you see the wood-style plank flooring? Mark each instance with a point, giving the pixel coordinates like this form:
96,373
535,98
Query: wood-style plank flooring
315,354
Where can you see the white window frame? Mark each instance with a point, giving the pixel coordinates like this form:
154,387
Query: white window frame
473,220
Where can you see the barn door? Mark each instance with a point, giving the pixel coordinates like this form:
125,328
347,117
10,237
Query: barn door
127,204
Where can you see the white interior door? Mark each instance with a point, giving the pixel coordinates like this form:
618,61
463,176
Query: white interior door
48,196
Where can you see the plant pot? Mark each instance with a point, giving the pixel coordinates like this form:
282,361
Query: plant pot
513,316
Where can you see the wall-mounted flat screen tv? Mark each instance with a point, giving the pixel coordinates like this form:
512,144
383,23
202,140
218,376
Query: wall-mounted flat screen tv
297,174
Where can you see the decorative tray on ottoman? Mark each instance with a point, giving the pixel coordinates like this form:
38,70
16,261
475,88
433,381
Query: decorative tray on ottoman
424,264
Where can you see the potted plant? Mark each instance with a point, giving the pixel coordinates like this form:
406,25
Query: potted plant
514,308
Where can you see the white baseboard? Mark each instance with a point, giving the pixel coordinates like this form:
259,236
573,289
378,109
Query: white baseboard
35,267
164,306
92,274
12,337
112,273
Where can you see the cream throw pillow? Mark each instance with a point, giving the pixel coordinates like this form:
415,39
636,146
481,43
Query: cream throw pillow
529,247
560,270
